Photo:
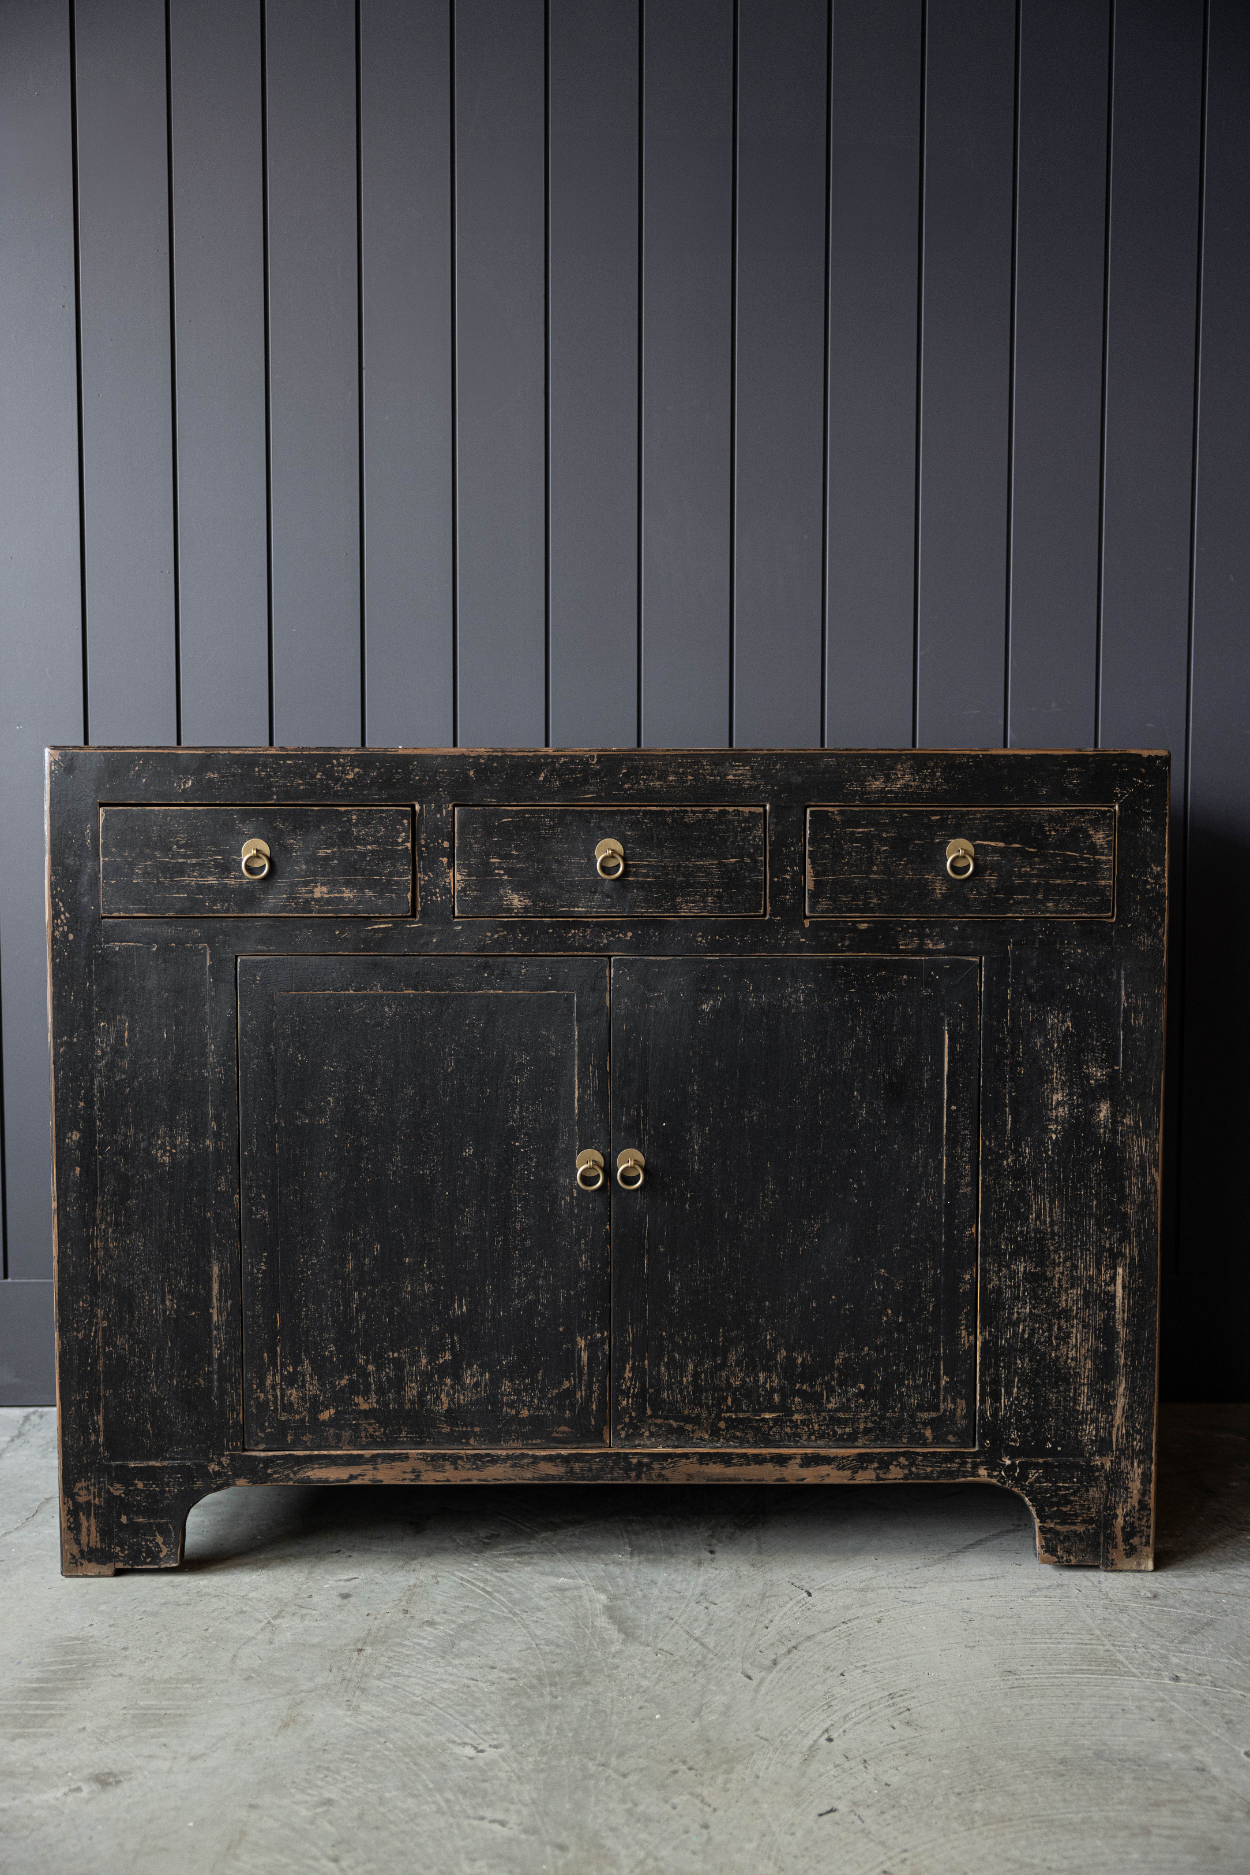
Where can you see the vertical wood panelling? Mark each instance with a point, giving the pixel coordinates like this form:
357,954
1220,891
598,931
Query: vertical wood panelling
874,261
965,372
1057,422
479,360
779,373
40,626
501,446
1151,315
593,158
314,366
127,415
687,370
405,193
1209,1302
219,361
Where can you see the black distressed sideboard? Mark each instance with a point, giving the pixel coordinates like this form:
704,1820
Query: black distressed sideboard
450,1115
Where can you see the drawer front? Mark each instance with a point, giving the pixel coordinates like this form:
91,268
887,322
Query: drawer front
678,862
1026,862
324,862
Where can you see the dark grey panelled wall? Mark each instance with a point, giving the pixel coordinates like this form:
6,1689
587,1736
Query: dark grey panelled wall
597,372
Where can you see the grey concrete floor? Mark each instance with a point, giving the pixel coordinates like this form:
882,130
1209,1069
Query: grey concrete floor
873,1680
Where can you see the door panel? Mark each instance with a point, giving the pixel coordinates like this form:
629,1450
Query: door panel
800,1263
419,1265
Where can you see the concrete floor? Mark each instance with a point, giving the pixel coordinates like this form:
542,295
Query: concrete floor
868,1680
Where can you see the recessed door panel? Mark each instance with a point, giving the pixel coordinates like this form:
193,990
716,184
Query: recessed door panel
799,1264
419,1264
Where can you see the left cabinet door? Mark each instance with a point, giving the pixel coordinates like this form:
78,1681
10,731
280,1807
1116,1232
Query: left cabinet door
420,1266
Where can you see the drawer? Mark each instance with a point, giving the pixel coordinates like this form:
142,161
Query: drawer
1027,862
678,862
324,862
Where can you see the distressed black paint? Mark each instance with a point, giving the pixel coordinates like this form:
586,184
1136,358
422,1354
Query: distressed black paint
902,1167
1025,862
534,862
187,862
799,1267
419,1264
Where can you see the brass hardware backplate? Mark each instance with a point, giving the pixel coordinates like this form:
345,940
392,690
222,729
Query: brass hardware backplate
960,858
609,859
627,1163
257,852
590,1172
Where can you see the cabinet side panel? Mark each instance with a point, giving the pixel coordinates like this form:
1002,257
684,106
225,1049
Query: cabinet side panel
154,1128
1055,1208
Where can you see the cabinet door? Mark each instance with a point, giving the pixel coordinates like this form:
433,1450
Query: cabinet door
419,1264
800,1262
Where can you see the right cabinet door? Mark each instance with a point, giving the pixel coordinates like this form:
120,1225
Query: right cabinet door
799,1264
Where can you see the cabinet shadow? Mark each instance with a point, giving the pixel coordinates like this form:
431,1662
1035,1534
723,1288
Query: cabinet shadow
1202,1504
401,1526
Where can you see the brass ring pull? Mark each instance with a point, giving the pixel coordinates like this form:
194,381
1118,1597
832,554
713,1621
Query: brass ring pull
590,1173
960,858
255,859
609,859
629,1168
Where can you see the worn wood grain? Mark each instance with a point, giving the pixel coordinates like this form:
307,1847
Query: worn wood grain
533,862
800,1264
153,1178
837,1268
419,1263
1029,862
185,862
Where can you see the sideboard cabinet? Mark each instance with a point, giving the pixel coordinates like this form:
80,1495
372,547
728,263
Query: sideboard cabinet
432,1116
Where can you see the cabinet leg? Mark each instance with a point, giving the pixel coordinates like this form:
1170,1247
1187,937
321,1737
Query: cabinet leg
123,1522
1128,1519
1096,1516
1060,1537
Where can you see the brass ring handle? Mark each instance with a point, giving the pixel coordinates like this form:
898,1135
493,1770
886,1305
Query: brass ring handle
609,859
628,1163
960,858
255,859
590,1173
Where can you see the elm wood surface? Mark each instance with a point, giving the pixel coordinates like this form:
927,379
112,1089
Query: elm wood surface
531,862
185,862
1070,1063
1044,862
800,1265
419,1265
